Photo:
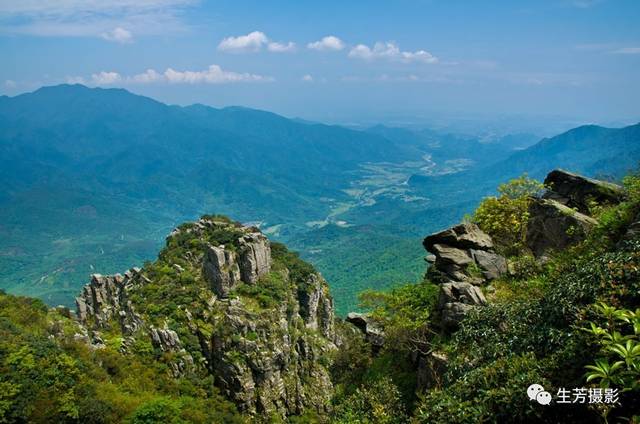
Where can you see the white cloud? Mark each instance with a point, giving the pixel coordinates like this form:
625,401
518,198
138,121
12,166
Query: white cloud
10,83
307,78
329,42
251,42
254,42
281,47
627,50
391,51
118,35
213,75
148,76
92,18
106,78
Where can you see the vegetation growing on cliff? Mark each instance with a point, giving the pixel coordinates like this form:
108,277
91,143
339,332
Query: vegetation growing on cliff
505,217
537,327
159,345
48,374
569,321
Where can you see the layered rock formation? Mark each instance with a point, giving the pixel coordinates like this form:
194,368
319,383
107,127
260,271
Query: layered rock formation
456,300
316,305
581,193
562,217
260,330
464,253
262,365
220,269
223,268
255,256
463,259
104,304
553,226
104,301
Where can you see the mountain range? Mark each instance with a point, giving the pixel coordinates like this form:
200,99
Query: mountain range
94,178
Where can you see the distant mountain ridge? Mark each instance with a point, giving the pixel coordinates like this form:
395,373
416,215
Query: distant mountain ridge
595,151
142,166
93,178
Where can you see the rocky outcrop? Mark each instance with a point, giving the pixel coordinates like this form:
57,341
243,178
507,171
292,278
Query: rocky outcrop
265,366
266,346
372,332
220,268
553,226
167,341
430,369
561,218
463,258
255,257
464,253
223,268
580,193
456,300
316,305
462,236
104,301
164,339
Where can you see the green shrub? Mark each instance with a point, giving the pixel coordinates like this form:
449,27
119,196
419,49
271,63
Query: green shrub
619,344
376,403
505,217
495,392
270,291
404,311
299,270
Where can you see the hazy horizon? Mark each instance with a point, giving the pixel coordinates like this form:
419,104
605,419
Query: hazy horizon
555,62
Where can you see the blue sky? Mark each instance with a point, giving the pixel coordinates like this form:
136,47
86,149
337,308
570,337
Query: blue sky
339,61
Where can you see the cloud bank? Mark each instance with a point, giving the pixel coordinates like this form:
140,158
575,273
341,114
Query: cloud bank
390,51
214,74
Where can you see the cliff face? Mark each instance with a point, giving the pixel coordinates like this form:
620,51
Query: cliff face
221,300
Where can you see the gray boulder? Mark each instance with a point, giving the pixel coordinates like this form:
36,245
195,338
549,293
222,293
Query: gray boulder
463,253
576,191
373,334
491,265
430,370
461,293
168,341
456,300
164,339
554,226
462,236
